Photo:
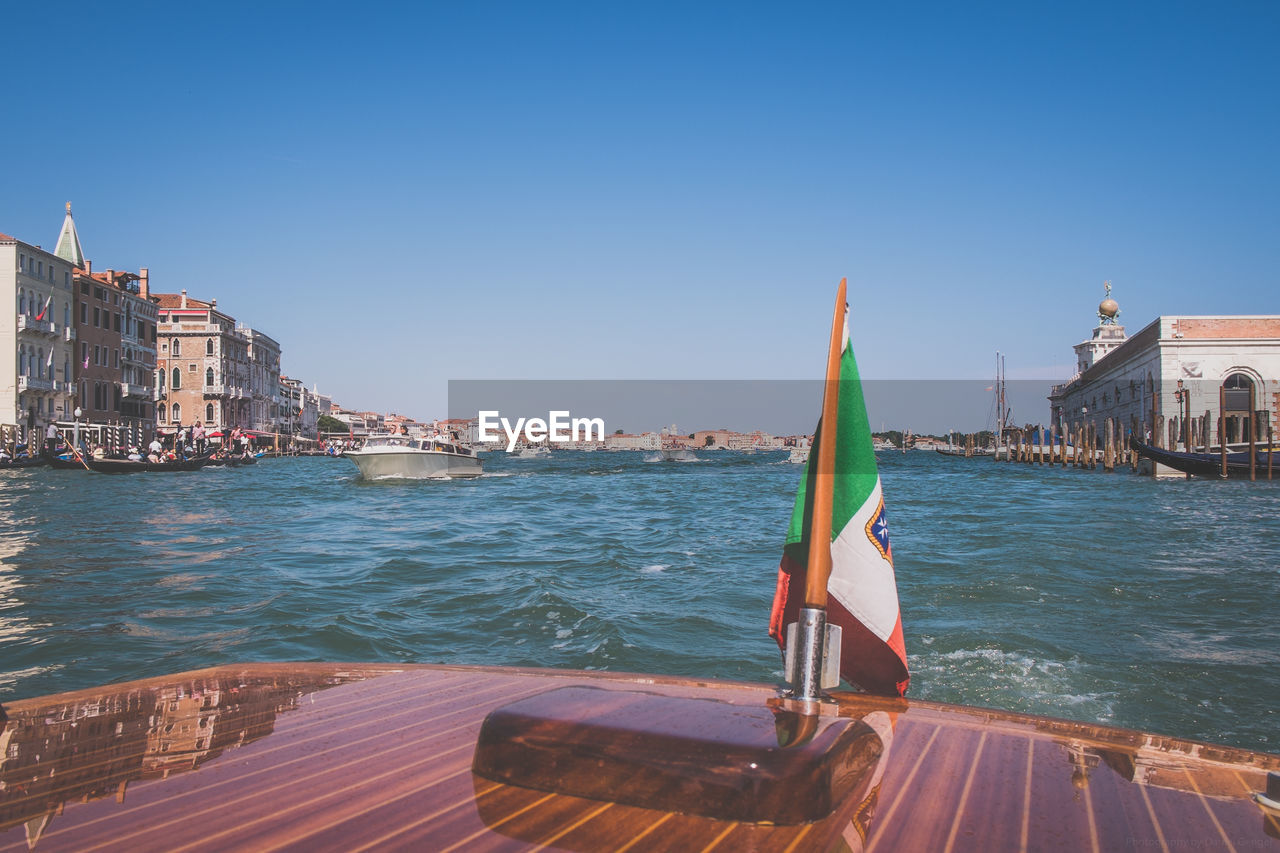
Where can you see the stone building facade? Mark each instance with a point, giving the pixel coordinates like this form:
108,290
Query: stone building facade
1173,362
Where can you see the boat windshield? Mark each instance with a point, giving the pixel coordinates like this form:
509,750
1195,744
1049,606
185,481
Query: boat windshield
387,441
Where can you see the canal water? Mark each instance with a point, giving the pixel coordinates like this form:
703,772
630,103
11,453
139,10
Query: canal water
1090,596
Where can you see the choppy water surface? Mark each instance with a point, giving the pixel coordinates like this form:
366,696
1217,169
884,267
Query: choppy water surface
1077,594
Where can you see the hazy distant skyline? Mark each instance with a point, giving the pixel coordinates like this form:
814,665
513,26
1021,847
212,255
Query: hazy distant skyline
417,193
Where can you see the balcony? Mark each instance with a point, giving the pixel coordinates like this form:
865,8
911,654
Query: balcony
39,327
217,390
31,383
140,392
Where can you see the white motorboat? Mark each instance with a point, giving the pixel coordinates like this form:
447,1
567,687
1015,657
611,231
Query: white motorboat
677,454
530,451
399,456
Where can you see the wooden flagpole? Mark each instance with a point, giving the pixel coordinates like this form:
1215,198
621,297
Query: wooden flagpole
818,569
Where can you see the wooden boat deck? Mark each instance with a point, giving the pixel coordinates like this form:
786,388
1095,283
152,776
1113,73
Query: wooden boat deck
347,757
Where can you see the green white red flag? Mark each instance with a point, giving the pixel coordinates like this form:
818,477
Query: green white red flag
862,590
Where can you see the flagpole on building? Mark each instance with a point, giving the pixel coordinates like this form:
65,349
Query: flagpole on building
812,644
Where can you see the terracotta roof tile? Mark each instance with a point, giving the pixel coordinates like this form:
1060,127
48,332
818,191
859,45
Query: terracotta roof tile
174,300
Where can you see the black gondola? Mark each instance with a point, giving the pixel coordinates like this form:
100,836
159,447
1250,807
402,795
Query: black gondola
129,466
23,462
1203,464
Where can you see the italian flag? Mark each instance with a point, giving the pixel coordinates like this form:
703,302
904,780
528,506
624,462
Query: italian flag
862,590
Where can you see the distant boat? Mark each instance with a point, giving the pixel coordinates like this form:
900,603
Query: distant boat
800,453
530,451
399,456
677,454
1207,465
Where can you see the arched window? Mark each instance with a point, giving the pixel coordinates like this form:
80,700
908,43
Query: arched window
208,413
22,361
208,377
160,379
177,413
22,301
160,410
208,347
40,363
175,348
177,380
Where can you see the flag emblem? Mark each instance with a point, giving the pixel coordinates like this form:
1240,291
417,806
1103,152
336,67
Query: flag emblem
878,532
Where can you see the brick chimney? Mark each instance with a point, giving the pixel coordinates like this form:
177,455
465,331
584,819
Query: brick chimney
88,266
184,300
144,288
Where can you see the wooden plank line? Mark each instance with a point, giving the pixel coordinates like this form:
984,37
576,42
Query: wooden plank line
491,825
1155,822
1204,801
1026,797
795,842
633,842
964,794
274,768
571,827
398,830
906,786
331,793
325,719
187,816
728,829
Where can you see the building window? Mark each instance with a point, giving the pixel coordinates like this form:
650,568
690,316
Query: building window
208,347
97,354
22,301
208,377
208,412
176,347
177,380
177,413
96,316
115,358
84,353
84,314
160,410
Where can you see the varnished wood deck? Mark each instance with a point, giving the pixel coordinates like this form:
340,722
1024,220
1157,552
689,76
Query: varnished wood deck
336,757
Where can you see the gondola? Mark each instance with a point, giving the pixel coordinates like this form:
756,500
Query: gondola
23,462
129,466
1204,464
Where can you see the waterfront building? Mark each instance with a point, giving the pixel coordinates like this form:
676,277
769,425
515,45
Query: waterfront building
1174,361
289,421
628,441
36,336
202,366
138,356
264,379
99,319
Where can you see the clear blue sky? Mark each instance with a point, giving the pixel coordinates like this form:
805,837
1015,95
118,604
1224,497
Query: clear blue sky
405,194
